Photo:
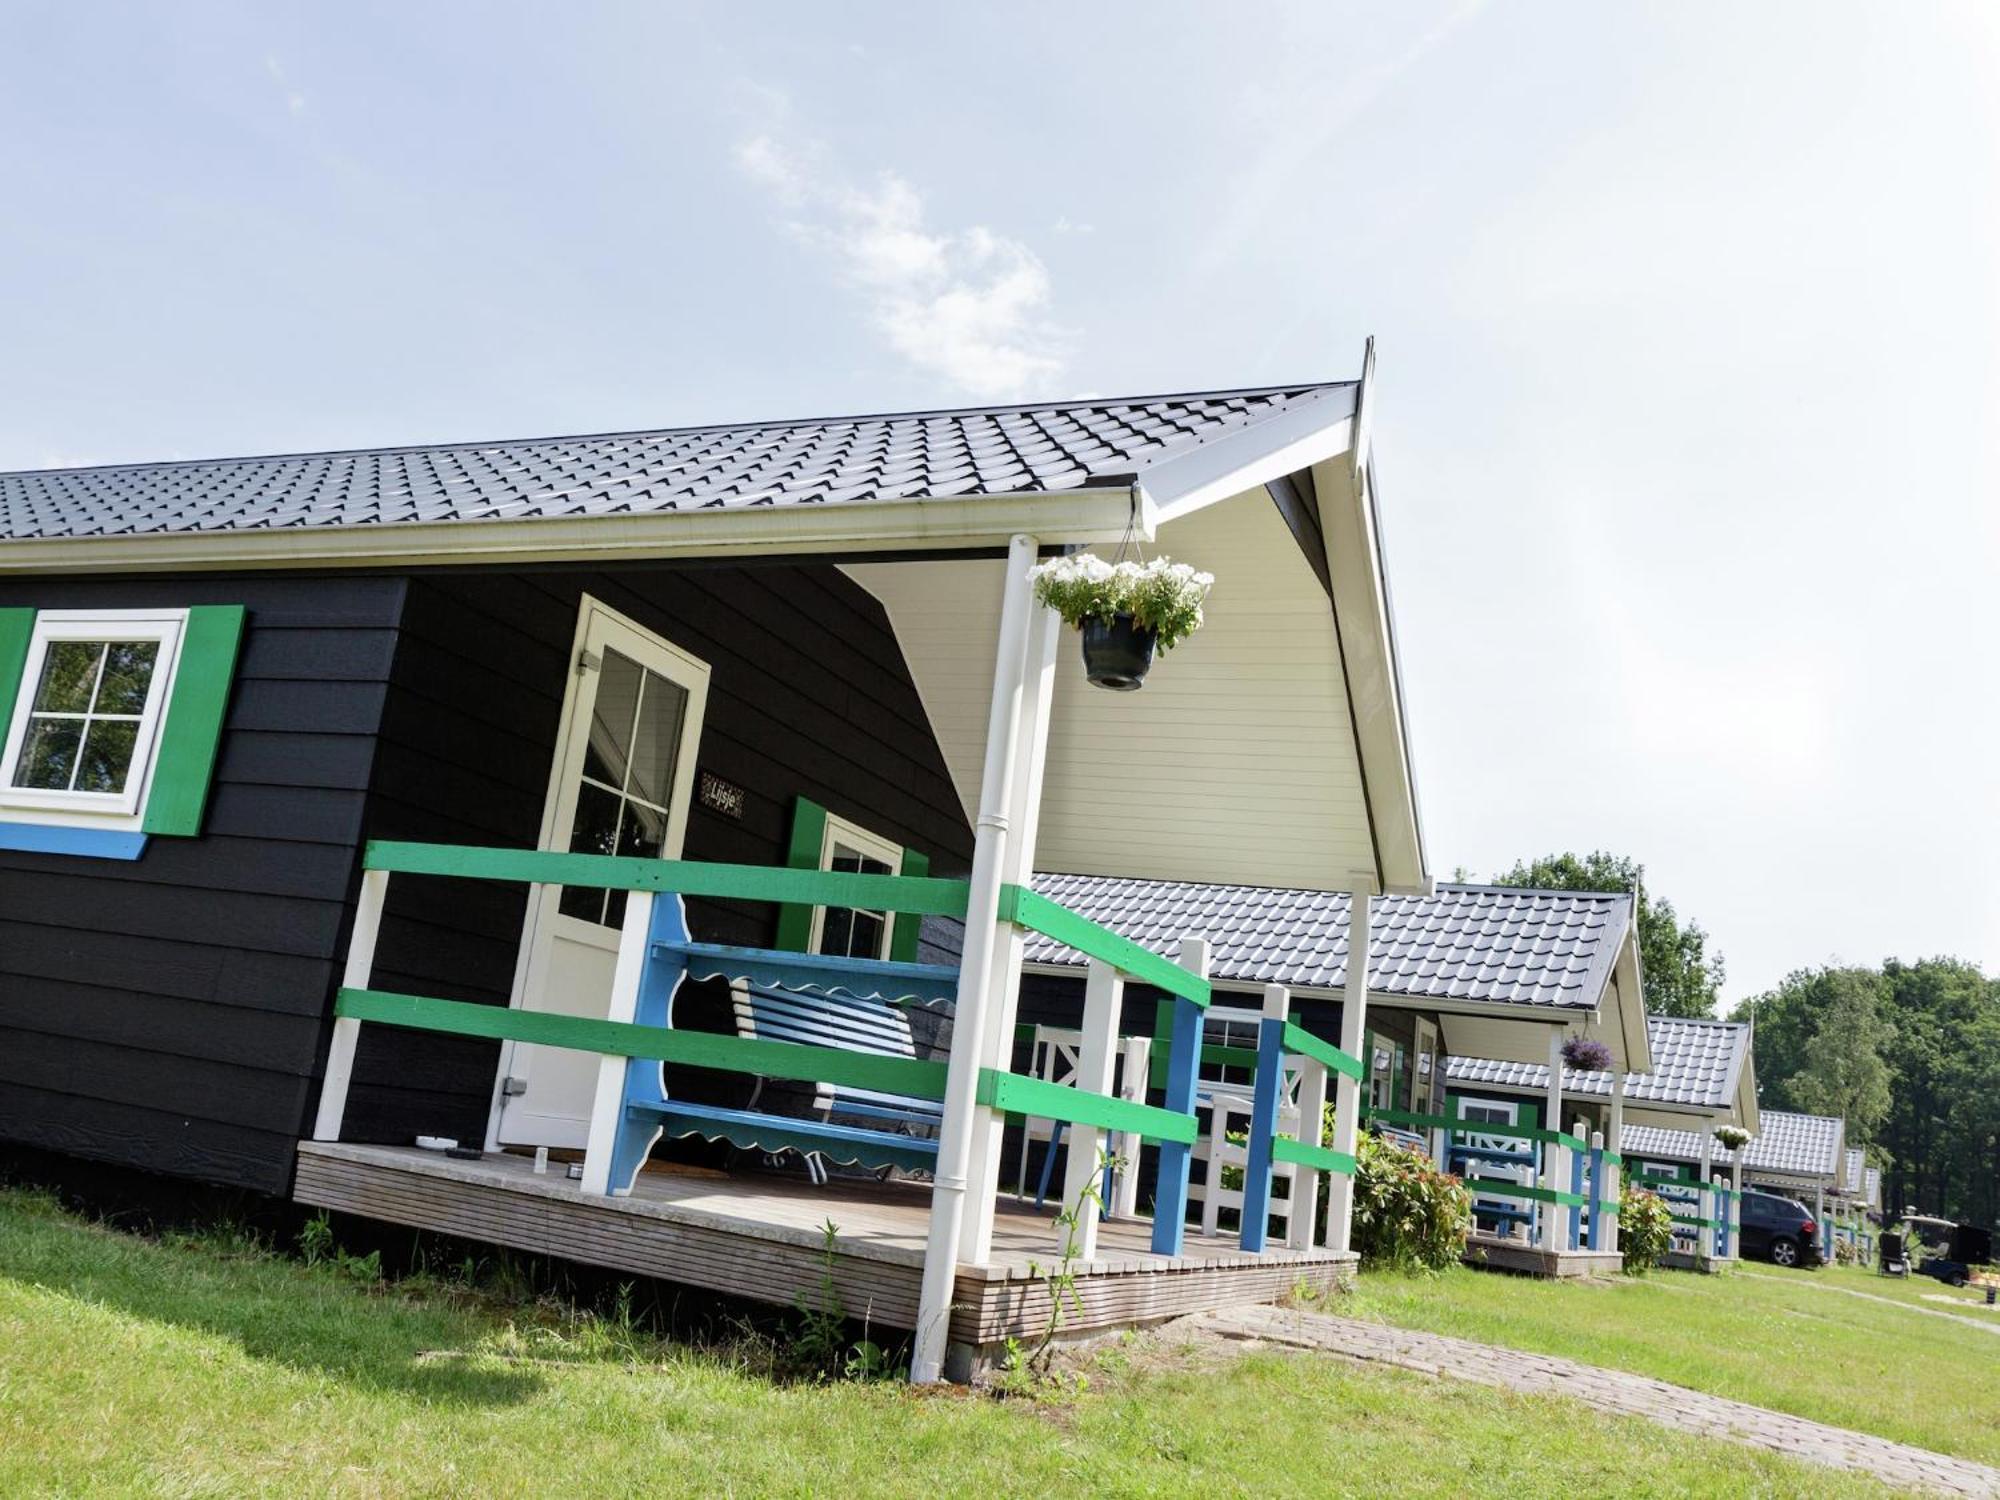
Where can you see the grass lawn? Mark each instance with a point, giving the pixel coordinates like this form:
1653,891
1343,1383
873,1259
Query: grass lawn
1919,1291
198,1367
1780,1339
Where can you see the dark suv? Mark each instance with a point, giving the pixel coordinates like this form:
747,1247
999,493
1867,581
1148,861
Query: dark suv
1779,1230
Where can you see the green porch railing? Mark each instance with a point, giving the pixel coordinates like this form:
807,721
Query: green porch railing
1029,908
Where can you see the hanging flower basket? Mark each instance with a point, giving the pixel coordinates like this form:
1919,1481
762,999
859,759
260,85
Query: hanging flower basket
1125,611
1732,1137
1587,1055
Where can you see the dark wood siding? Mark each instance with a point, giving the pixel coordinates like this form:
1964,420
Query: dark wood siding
809,696
168,1013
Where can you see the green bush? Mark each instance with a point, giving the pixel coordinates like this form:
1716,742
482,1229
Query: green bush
1645,1229
1408,1215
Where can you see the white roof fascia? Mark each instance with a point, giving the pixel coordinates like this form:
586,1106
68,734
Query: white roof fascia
1294,440
1081,517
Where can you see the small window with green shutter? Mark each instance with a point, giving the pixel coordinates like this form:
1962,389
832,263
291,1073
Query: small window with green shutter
112,720
824,841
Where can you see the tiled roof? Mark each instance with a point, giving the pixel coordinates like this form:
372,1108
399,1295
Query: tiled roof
1795,1145
1473,943
1873,1181
1695,1063
830,460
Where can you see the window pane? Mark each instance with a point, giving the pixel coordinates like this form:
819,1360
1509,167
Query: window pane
49,754
594,831
610,748
128,673
69,672
107,755
642,832
866,939
657,744
835,929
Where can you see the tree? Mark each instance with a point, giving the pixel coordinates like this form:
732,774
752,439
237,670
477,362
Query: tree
1843,1074
1680,976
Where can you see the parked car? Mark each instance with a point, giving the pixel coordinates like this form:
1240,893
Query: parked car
1779,1230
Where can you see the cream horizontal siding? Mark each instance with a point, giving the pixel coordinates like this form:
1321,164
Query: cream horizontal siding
1235,763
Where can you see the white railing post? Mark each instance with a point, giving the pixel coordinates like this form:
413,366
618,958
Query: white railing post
346,1030
608,1103
962,1116
1103,998
1736,1204
1555,1173
1346,1091
1302,1229
1138,1072
1614,1189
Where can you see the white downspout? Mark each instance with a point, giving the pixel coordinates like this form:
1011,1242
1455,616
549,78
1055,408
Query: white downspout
982,938
1554,1178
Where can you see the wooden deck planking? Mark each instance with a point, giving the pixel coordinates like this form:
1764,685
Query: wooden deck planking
761,1237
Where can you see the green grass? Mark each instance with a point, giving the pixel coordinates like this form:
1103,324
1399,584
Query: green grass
1919,1291
205,1367
1781,1339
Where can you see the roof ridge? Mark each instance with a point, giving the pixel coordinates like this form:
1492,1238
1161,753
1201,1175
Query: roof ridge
1074,404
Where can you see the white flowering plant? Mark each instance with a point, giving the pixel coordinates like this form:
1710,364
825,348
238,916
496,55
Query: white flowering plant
1162,596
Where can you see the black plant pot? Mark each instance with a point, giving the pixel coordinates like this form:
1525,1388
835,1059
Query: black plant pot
1118,655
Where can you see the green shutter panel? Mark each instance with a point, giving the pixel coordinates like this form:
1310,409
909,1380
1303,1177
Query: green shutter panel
17,626
193,730
908,925
808,837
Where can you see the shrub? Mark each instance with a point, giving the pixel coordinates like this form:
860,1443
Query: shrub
1408,1215
1645,1230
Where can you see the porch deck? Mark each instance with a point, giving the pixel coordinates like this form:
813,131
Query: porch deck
1499,1253
759,1236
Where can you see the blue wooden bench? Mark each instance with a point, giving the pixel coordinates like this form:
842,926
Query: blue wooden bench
856,1005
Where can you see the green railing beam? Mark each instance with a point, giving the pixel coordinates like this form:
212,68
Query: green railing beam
1482,1127
918,1078
1031,909
1016,1094
1305,1044
916,895
1322,1158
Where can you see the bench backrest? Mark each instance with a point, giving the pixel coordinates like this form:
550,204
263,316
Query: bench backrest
822,1018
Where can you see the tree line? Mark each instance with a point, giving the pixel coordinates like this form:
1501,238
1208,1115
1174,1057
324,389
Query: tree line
1908,1054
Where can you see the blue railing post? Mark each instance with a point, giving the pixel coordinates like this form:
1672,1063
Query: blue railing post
1596,1193
1183,1068
1264,1105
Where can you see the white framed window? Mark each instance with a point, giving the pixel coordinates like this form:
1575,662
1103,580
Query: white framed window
848,932
81,740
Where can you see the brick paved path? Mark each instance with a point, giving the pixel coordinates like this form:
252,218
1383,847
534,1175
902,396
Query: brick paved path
1608,1390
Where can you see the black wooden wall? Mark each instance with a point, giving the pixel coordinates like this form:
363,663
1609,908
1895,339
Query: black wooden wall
172,1013
808,695
168,1013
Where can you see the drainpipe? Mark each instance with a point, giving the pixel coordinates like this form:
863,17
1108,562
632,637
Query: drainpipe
975,988
1549,1215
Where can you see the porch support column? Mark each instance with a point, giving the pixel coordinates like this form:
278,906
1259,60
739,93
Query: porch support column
347,1030
1704,1239
1736,1204
1614,1182
1548,1214
1347,1091
963,1118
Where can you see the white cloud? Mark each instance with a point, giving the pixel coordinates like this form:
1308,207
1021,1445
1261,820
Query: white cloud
970,305
295,99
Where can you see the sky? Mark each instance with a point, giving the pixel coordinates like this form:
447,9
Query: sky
1687,319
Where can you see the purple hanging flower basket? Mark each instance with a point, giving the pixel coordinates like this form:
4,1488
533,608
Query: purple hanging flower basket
1587,1055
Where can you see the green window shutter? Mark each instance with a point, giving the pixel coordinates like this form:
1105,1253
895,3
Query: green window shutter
16,627
808,838
193,730
907,924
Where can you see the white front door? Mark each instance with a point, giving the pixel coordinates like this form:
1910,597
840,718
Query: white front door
623,774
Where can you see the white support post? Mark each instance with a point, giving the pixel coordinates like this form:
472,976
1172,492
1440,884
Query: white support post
1736,1204
1017,863
1097,1058
1302,1227
1346,1091
346,1030
1138,1053
608,1103
963,1117
1614,1180
1555,1166
1704,1239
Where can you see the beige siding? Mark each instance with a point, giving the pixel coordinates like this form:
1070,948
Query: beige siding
1236,761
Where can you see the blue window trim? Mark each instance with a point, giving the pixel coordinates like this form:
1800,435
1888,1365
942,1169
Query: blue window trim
94,843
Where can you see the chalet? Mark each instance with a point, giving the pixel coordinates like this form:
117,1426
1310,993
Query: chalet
1702,1078
470,835
1793,1155
1488,969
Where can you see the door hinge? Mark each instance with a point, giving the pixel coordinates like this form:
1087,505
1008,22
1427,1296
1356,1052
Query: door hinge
512,1088
587,661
